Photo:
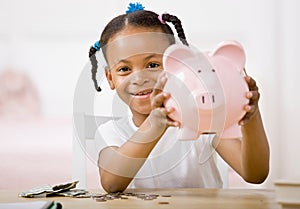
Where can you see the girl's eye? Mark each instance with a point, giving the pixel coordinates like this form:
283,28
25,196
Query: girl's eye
123,69
153,65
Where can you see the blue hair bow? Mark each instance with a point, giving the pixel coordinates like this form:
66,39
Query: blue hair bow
97,46
133,7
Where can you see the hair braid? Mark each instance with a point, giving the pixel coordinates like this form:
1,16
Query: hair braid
177,24
94,63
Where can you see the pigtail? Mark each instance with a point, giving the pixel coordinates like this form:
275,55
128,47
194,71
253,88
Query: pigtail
177,24
94,62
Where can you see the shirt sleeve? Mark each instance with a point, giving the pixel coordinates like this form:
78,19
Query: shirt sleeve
106,136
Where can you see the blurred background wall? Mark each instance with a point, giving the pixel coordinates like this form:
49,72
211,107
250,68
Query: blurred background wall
48,41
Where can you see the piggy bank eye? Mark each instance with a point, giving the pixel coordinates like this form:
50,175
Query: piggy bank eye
213,70
199,71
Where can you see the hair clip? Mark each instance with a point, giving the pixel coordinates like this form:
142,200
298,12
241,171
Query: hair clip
161,19
133,7
97,45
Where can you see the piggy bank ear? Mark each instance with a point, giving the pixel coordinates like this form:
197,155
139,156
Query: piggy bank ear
232,51
175,55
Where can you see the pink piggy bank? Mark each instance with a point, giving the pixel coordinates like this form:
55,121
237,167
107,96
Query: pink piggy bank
208,90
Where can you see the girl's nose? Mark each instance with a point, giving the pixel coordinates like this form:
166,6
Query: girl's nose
140,78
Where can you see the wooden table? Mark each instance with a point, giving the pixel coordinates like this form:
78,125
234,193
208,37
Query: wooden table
180,198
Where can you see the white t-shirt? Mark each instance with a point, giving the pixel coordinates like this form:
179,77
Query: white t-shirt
172,163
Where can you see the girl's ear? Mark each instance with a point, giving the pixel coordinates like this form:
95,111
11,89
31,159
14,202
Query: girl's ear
109,78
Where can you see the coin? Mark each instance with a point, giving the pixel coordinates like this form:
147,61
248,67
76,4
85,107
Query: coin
123,196
100,200
166,195
163,203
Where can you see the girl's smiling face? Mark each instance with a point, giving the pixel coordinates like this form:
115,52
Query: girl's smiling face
134,58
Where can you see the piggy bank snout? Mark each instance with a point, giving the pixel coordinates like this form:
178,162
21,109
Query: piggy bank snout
207,100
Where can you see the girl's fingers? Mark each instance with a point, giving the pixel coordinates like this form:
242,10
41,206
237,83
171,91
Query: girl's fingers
158,100
253,97
169,121
160,84
173,123
158,96
250,111
250,108
251,83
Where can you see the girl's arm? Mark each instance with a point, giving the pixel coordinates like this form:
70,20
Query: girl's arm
250,156
119,165
255,151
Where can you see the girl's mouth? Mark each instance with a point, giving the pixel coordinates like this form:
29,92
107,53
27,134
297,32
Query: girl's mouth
143,94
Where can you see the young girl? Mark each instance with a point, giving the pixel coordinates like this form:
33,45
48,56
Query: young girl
141,150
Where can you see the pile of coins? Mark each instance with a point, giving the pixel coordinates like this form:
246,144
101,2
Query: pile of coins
69,190
124,196
66,190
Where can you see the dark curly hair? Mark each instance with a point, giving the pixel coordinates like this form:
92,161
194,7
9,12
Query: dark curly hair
142,18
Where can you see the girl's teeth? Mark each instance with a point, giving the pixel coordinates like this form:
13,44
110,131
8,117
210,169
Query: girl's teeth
143,93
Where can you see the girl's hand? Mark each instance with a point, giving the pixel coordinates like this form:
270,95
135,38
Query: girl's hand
159,113
253,96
